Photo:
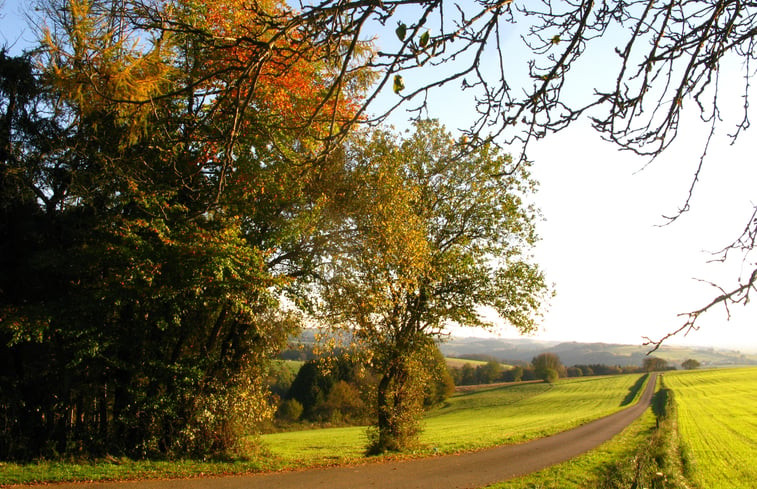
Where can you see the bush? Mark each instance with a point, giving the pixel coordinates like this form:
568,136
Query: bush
343,403
290,410
550,375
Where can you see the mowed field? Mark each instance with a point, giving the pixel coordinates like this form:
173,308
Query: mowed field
511,414
717,420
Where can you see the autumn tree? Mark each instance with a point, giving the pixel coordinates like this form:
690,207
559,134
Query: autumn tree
161,185
436,233
520,64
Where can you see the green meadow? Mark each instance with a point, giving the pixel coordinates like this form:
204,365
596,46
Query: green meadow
717,419
459,362
479,419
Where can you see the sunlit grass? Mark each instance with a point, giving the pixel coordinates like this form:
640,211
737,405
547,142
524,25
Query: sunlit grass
117,469
480,419
717,416
473,420
587,470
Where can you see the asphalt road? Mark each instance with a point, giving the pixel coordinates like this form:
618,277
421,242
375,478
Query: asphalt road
468,470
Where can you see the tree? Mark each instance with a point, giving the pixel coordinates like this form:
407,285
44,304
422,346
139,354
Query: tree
549,375
652,364
662,57
441,384
490,372
574,372
690,364
467,374
333,388
290,410
515,374
160,188
546,363
438,233
658,59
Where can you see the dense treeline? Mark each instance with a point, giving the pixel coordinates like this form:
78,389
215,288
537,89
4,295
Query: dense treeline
341,389
539,368
154,202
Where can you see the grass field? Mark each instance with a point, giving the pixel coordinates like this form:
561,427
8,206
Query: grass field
473,420
480,419
717,418
459,362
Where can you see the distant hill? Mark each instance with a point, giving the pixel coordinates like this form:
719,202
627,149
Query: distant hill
572,353
522,350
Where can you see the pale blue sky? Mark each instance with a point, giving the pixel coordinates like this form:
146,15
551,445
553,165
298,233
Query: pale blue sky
618,275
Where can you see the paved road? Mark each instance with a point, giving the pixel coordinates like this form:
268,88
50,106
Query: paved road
468,470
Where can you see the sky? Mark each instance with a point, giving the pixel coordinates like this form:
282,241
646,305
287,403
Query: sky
619,274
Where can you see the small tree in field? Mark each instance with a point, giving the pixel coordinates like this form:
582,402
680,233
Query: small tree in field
550,375
546,362
690,364
653,364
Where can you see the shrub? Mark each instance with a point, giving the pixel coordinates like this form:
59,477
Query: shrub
290,410
550,375
343,403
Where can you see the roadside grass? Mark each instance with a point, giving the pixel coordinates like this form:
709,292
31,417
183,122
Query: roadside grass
586,470
717,416
647,454
474,420
46,471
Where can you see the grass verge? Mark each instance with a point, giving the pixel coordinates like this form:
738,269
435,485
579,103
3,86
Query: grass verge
646,454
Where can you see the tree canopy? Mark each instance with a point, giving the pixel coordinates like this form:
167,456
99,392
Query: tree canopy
159,189
520,65
435,232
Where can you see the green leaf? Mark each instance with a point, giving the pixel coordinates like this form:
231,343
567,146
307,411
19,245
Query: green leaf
401,31
424,39
399,85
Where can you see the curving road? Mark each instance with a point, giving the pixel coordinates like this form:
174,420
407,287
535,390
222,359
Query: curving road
468,470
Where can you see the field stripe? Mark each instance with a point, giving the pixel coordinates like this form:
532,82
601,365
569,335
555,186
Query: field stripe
717,417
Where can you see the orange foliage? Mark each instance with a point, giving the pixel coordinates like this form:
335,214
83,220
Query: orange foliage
287,73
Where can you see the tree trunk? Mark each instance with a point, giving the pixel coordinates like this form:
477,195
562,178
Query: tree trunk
384,410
